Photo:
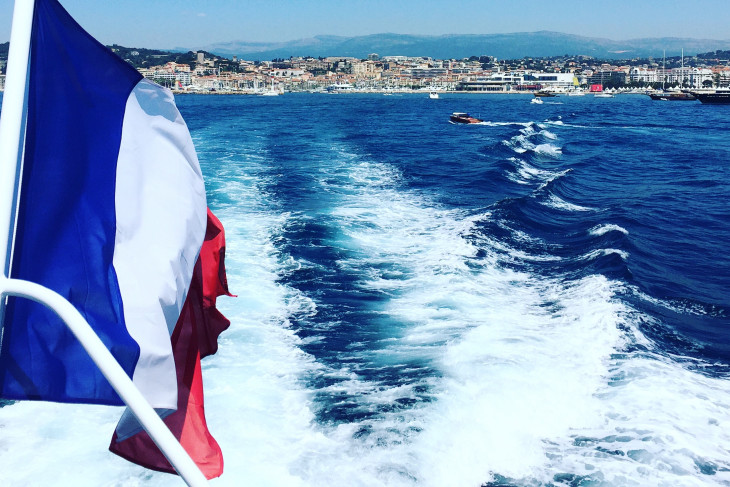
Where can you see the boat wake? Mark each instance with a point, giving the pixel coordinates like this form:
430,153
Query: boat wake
388,334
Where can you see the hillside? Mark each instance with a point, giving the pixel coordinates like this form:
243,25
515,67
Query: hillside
503,46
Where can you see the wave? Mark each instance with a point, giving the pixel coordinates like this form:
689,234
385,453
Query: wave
381,337
553,201
594,254
523,142
603,229
526,173
560,123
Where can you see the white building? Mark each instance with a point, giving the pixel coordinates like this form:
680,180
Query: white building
554,81
643,75
286,72
690,77
506,81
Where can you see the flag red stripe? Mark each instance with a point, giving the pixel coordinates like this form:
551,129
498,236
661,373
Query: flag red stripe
195,336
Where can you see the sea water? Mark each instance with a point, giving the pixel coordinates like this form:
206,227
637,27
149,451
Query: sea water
539,299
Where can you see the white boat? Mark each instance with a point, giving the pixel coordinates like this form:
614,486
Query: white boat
603,95
270,91
537,101
576,93
433,95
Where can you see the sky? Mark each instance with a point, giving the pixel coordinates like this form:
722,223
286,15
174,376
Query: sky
195,24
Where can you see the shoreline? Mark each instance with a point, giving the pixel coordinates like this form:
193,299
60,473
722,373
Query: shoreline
384,92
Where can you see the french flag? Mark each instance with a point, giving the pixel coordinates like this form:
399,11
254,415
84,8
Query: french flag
111,215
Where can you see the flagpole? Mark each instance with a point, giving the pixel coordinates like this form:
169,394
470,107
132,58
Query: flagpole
12,133
12,128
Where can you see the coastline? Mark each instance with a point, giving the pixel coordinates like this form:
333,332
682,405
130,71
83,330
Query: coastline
387,92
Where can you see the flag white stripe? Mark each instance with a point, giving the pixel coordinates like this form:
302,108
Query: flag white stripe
161,218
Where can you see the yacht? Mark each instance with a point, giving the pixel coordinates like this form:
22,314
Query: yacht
672,96
718,97
544,94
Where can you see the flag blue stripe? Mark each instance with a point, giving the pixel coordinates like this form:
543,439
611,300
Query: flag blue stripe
66,222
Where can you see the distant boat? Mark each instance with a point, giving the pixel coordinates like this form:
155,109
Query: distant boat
459,117
672,96
270,91
603,95
433,95
544,94
716,97
577,93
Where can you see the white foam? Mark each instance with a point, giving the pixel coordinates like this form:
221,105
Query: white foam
530,377
558,203
599,230
548,149
524,141
594,254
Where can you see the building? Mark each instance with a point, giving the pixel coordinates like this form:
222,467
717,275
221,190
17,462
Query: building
518,80
690,77
420,73
643,75
170,75
554,81
721,76
608,76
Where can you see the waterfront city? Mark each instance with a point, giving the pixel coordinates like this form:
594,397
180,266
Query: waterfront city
483,74
202,72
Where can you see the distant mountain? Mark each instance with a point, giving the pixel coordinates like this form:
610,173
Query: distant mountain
457,46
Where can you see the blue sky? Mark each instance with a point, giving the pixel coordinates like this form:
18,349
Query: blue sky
196,23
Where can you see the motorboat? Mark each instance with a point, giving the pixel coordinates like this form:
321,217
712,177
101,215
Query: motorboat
433,95
545,94
460,117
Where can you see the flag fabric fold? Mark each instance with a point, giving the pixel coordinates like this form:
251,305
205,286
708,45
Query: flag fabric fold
195,335
112,216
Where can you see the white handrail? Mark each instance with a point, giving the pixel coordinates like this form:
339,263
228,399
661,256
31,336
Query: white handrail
113,372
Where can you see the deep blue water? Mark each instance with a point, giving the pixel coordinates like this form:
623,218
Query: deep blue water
540,299
434,256
659,171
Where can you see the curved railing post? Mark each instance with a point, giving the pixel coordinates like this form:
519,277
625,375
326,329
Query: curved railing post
113,372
